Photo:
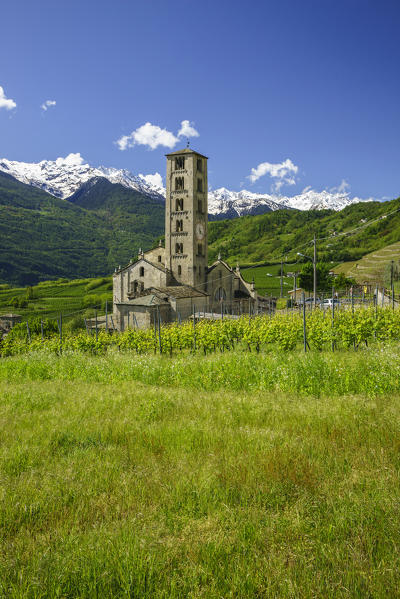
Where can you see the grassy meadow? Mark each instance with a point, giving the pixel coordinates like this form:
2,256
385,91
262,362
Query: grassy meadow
232,475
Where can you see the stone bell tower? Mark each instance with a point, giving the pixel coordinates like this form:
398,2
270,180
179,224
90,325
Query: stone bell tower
186,213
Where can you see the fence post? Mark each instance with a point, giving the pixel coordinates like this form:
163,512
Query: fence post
392,296
352,300
41,328
159,329
59,322
304,322
97,332
333,318
86,325
155,318
28,331
106,315
194,328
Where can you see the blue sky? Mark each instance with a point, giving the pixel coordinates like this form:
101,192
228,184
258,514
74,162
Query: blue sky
304,92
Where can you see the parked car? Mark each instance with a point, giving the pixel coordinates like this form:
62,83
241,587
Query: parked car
329,302
309,301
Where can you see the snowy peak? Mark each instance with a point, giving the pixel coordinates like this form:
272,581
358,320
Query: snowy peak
63,177
230,204
233,203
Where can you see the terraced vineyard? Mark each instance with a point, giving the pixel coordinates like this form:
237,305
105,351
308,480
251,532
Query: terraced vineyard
371,268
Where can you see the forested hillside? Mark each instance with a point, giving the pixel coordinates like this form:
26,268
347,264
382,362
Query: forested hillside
269,237
104,224
43,237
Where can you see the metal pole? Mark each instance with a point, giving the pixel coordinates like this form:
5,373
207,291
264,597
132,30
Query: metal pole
304,322
391,273
155,330
97,332
333,318
222,310
194,329
281,278
61,328
392,296
315,272
106,315
159,329
352,300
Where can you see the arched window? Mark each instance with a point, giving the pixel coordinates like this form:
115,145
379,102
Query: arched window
159,258
179,226
220,294
141,271
179,183
179,248
179,204
179,269
179,163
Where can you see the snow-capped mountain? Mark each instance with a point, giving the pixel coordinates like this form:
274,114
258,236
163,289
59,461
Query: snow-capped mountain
230,204
223,203
65,176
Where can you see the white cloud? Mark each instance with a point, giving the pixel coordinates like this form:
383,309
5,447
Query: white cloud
5,102
47,104
343,188
70,160
283,173
153,180
187,130
148,135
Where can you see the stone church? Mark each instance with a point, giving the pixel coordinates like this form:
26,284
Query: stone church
173,282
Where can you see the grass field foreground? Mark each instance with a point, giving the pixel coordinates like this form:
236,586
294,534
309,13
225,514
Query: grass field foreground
120,478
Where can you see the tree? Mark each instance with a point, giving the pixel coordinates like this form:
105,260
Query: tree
324,279
340,281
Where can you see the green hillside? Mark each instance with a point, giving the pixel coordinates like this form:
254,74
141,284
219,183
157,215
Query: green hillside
269,237
43,237
49,299
372,267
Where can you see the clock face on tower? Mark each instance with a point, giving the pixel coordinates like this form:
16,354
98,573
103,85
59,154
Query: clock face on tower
200,231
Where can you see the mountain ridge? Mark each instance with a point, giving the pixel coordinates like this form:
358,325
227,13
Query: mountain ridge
64,177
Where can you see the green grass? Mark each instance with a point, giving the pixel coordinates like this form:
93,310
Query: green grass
267,278
230,476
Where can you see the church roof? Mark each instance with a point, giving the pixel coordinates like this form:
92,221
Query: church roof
179,291
186,151
146,300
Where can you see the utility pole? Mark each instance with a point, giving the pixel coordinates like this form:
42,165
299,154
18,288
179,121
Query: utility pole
315,271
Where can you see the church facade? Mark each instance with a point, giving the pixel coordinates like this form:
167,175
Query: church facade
171,283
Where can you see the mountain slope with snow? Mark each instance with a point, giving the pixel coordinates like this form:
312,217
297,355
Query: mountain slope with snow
65,176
